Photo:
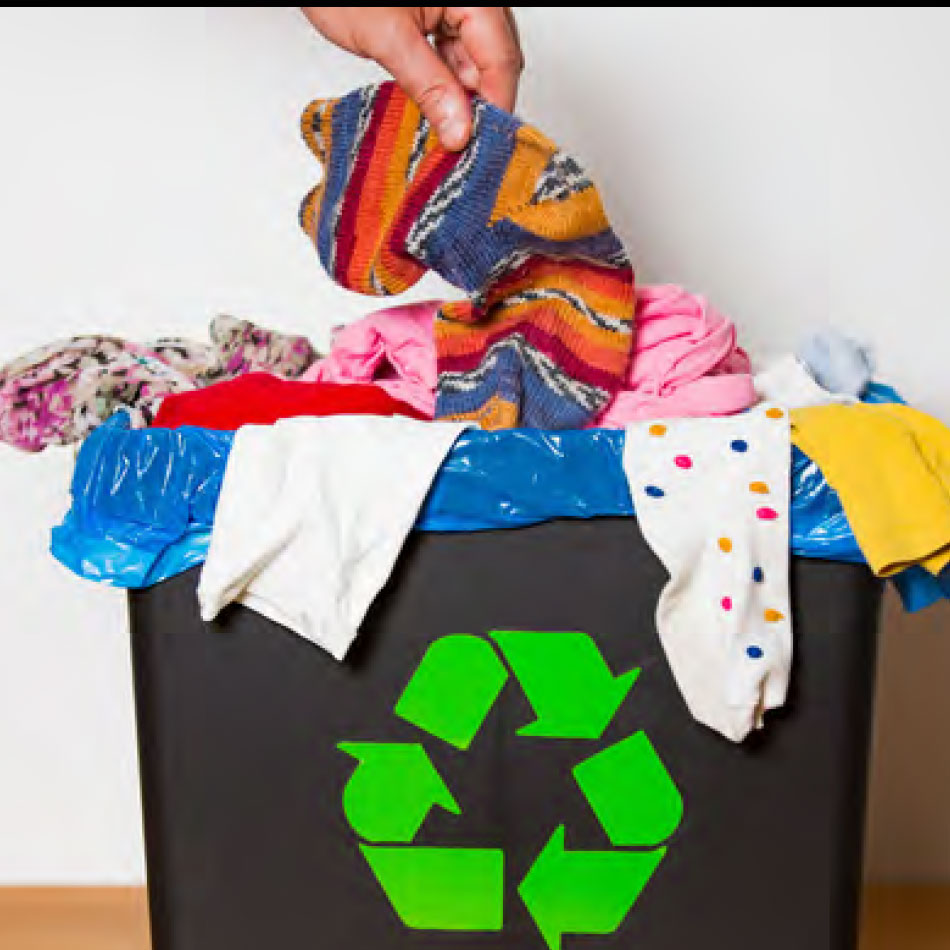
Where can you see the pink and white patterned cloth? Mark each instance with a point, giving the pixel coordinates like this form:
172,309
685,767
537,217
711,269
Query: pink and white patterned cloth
59,393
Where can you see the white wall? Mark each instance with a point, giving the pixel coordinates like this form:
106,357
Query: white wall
791,164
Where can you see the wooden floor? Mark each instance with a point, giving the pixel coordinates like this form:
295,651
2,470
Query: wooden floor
73,918
115,918
906,918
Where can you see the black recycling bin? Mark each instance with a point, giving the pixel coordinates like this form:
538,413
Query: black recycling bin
450,787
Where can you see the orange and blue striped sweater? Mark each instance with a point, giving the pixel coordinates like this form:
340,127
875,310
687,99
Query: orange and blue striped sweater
544,338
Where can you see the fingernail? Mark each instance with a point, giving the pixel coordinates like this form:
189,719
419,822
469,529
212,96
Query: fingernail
449,123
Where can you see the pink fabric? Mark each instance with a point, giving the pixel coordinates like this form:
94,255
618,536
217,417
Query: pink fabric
685,359
685,362
393,348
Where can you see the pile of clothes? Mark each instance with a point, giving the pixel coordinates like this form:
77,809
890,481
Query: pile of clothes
555,389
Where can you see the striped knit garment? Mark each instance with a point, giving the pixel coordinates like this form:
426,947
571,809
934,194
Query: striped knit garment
544,338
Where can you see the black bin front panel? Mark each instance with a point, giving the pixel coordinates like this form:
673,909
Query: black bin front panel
239,722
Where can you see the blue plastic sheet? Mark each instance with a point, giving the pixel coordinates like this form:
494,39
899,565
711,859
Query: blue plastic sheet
143,503
517,477
144,500
881,392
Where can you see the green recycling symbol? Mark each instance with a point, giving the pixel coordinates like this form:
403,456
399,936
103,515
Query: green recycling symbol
574,696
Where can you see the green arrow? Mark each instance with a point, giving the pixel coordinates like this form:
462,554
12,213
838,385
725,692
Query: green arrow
584,892
454,689
392,790
442,888
567,682
631,793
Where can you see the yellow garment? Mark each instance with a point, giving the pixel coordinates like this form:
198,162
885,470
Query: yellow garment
890,465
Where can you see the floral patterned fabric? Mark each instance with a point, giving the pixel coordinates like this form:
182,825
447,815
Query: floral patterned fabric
59,393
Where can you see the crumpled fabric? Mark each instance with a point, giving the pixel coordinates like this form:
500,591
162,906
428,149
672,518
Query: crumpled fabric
686,360
917,588
144,500
788,382
261,399
59,393
237,347
313,515
724,616
544,336
838,363
393,348
890,464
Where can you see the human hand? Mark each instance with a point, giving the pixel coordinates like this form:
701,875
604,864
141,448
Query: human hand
476,49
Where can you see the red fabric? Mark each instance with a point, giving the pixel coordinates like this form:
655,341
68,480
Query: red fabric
262,399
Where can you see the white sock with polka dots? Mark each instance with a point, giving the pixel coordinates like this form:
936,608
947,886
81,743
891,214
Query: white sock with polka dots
711,496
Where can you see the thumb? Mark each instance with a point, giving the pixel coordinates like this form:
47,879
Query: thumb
426,79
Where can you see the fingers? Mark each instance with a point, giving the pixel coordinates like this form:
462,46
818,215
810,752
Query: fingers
490,41
478,49
405,52
455,54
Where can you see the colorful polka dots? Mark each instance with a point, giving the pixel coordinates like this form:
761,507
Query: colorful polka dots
721,529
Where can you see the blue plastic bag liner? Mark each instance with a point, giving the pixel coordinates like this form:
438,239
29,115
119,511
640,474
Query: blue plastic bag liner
918,589
876,392
820,528
517,477
143,503
144,499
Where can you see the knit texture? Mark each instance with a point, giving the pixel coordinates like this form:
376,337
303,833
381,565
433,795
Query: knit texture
544,338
